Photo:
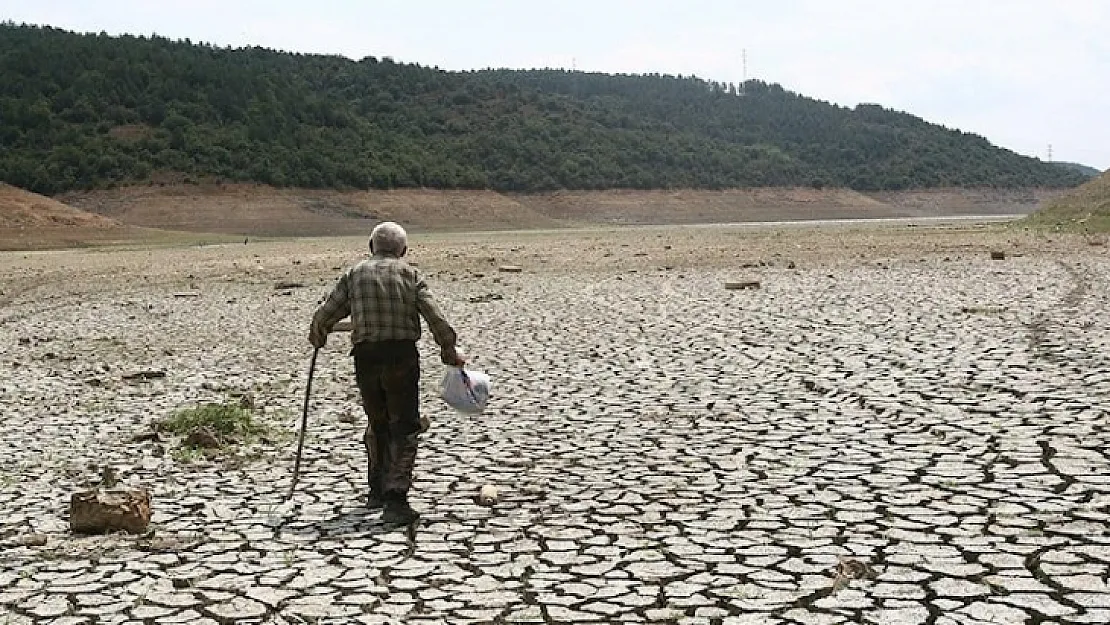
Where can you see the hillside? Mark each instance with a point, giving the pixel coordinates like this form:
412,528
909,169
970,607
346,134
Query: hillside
21,209
259,210
1086,208
1086,170
88,111
30,221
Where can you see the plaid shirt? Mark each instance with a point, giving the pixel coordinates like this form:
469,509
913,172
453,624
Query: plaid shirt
385,297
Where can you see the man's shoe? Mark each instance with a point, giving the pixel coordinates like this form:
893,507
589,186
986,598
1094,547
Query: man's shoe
399,512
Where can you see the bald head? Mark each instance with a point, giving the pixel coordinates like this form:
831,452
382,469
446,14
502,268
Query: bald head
388,239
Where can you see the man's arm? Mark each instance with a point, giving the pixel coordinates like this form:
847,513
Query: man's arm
442,331
336,307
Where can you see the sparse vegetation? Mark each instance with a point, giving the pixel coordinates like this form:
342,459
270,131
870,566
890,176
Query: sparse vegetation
212,429
1084,210
226,419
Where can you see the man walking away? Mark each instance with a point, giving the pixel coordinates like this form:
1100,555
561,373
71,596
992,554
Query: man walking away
385,298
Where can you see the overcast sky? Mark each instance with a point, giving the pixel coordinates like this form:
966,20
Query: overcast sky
1023,73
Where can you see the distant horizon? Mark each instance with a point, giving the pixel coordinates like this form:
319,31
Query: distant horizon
1018,75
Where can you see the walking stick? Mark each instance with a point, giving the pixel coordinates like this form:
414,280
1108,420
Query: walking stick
304,422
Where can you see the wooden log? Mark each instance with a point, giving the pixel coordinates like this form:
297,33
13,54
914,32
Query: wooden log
738,285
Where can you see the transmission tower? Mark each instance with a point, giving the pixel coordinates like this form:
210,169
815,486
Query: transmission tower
744,79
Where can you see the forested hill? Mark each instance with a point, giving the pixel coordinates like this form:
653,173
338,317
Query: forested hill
84,111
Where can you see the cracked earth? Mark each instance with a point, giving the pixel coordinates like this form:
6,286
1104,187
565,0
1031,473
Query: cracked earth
893,429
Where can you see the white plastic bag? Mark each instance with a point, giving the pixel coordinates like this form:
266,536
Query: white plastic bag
466,391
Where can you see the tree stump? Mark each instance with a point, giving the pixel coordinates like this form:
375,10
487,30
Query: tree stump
100,511
998,255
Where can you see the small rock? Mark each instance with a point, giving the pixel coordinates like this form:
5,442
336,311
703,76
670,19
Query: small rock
488,495
146,437
32,540
202,438
109,477
510,269
854,569
284,286
998,255
246,401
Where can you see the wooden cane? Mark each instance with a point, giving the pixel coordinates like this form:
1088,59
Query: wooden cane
304,422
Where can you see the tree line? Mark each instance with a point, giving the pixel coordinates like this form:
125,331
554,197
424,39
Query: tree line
81,111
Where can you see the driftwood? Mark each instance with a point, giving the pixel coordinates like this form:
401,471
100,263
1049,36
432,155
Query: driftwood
737,285
284,285
150,374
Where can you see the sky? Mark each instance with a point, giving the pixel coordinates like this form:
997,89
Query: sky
1025,74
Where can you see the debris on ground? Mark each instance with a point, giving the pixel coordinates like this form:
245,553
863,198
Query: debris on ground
140,376
489,297
739,285
100,511
847,570
488,495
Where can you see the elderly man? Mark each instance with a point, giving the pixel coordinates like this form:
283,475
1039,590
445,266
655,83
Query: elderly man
385,298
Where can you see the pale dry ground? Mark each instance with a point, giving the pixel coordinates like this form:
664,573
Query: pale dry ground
588,250
670,452
257,210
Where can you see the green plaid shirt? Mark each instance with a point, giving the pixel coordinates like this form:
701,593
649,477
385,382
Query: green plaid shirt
385,298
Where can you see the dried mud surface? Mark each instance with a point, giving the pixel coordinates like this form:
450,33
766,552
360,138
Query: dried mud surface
893,429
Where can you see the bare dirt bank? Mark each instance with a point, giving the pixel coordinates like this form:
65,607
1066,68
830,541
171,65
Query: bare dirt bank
266,211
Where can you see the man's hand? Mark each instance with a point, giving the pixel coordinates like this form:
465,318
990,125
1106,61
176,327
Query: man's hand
450,357
318,339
